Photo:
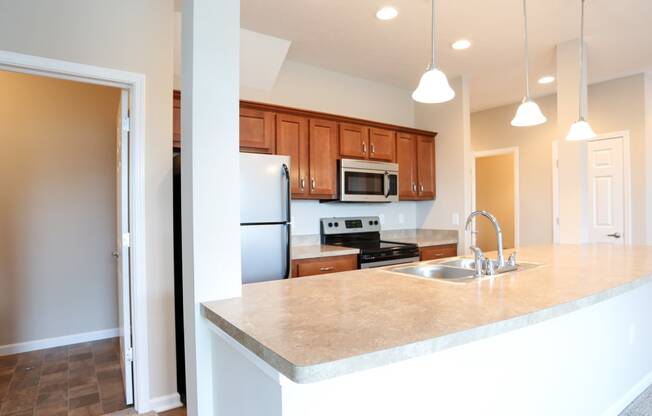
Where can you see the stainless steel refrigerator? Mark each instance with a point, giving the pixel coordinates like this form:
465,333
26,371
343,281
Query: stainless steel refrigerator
265,228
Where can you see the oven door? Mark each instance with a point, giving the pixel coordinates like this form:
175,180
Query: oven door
368,185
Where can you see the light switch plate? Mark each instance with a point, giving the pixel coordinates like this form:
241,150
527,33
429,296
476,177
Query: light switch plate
456,218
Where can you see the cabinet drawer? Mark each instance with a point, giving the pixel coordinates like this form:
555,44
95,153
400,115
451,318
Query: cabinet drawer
324,265
438,252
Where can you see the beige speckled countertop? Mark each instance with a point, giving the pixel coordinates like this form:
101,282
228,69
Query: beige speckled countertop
321,250
320,327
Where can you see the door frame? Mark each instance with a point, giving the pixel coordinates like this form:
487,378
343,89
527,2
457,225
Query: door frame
135,84
517,198
627,185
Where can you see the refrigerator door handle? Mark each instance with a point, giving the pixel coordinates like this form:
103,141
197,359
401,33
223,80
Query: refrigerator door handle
286,172
288,253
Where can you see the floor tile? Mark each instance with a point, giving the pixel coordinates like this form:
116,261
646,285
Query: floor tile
84,401
92,410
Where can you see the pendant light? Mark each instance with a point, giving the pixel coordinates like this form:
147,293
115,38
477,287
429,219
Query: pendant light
528,113
433,87
581,129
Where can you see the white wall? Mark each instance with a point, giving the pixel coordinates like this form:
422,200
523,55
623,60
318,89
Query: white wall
133,36
453,147
313,88
57,171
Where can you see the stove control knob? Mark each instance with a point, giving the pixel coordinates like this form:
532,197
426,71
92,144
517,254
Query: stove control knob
330,224
371,223
375,222
337,224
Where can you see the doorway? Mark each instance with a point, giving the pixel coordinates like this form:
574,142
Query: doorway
495,180
74,357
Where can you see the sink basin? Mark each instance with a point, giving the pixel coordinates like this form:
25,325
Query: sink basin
459,269
437,271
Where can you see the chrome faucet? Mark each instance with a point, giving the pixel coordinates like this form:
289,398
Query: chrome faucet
500,264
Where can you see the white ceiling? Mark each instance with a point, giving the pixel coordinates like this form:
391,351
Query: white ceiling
345,36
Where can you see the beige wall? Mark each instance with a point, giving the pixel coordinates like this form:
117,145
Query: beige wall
613,106
494,184
134,36
57,173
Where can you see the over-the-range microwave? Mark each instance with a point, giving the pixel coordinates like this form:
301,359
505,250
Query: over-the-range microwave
368,181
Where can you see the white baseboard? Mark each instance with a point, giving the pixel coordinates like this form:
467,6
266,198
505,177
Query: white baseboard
164,403
40,344
629,397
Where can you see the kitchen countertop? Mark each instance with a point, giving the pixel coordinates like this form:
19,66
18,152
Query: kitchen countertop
315,328
421,237
308,246
321,250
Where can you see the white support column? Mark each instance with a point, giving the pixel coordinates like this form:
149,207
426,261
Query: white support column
573,227
210,178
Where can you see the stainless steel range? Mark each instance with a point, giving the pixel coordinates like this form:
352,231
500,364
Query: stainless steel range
364,233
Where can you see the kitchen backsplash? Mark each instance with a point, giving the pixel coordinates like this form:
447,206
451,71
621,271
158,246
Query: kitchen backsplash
394,215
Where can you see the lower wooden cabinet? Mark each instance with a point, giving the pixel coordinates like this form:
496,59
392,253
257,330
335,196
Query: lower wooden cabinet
324,265
438,252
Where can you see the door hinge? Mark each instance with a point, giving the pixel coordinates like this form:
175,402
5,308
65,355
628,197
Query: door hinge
557,220
129,354
557,163
126,240
126,123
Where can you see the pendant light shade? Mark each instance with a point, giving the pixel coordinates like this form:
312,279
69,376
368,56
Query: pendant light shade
433,87
528,113
581,129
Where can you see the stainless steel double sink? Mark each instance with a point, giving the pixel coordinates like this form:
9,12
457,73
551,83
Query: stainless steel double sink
456,270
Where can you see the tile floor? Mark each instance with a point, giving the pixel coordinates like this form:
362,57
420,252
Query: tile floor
81,379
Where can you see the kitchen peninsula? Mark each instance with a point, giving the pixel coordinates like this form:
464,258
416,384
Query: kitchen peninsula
384,343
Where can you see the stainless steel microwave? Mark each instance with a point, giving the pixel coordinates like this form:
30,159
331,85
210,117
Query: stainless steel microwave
368,181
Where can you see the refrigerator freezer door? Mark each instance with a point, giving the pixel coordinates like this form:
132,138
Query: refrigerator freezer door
263,188
265,252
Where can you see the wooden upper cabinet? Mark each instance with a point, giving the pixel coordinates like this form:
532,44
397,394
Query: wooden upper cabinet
354,141
292,140
426,166
176,119
323,159
382,144
257,131
406,157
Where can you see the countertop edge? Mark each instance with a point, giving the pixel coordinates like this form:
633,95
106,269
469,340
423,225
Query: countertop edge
323,371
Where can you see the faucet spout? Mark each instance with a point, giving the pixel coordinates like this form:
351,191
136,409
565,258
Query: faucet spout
497,229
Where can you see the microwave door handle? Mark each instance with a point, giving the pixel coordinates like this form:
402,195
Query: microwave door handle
286,173
386,184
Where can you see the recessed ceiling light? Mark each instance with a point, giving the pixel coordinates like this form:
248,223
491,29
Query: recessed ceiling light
461,44
387,13
548,79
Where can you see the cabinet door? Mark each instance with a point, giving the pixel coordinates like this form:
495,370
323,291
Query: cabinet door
176,119
256,131
406,157
426,166
354,141
292,140
323,159
382,145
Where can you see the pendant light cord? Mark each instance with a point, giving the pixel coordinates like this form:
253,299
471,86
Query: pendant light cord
527,61
581,98
433,38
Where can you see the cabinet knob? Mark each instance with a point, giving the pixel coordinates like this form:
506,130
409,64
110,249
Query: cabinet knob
326,269
302,184
373,148
313,184
364,147
421,187
414,187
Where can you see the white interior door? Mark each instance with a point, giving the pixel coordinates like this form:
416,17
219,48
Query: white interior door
122,244
606,187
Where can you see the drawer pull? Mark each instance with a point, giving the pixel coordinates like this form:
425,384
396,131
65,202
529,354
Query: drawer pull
326,269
